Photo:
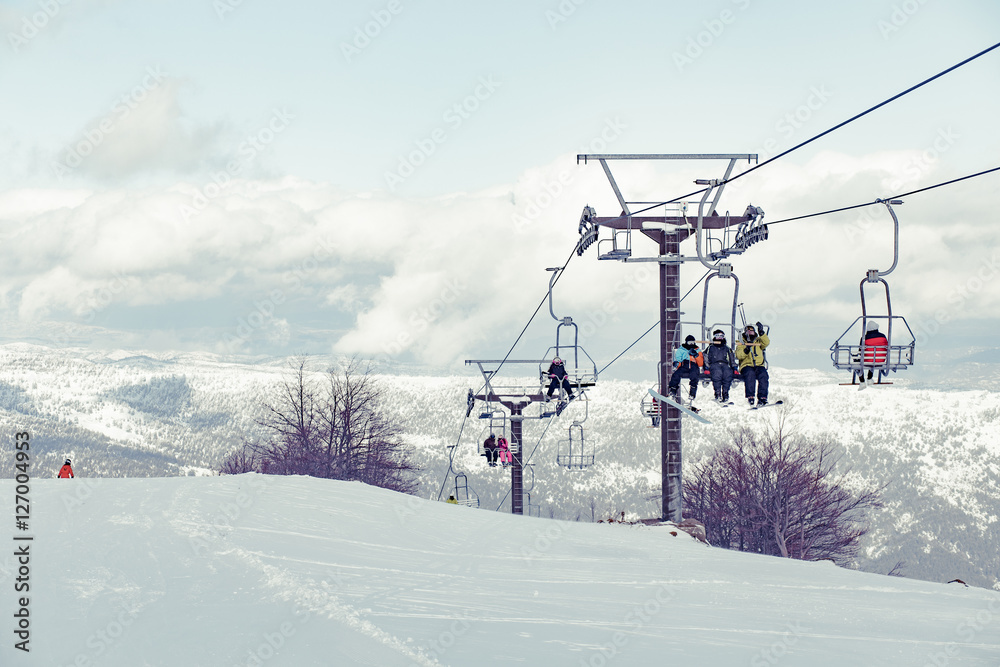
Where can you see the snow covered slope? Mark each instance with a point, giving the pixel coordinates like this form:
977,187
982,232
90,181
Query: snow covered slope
253,570
161,415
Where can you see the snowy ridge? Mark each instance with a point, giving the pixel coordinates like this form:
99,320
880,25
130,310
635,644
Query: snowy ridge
937,448
253,570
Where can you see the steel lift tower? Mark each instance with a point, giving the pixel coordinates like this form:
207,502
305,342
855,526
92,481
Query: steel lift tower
717,237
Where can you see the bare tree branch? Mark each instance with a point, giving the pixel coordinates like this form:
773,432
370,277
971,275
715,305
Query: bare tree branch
776,495
334,428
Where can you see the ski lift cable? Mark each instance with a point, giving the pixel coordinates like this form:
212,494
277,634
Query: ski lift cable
451,457
826,132
879,201
652,327
541,303
507,356
866,112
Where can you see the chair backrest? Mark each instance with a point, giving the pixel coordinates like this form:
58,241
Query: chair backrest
876,353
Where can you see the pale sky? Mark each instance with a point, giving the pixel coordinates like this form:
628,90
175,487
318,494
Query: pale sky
327,177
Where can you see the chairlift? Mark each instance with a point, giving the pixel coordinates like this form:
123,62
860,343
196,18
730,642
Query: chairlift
527,486
496,421
577,451
581,370
533,509
651,408
463,494
499,420
724,270
882,359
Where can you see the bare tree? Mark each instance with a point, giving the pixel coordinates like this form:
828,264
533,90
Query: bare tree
241,460
334,428
777,495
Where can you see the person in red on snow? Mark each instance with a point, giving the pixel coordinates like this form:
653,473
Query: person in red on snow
66,472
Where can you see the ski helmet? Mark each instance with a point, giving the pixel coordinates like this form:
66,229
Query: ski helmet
872,326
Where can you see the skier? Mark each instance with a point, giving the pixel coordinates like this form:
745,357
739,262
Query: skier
721,363
753,363
687,364
451,500
875,349
503,452
490,445
557,371
66,472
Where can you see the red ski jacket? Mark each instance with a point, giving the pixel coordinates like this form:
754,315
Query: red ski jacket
65,472
876,347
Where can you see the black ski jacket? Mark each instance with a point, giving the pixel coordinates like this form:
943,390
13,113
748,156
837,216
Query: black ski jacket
720,354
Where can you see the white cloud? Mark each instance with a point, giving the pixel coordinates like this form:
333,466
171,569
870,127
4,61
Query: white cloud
449,277
144,130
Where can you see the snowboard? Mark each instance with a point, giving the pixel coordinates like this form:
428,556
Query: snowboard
683,408
561,405
767,405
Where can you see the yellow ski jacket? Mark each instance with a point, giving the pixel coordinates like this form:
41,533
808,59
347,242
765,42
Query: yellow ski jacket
752,355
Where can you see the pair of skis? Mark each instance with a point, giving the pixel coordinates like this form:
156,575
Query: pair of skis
693,412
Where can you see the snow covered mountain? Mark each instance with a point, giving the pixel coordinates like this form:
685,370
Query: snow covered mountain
251,570
156,415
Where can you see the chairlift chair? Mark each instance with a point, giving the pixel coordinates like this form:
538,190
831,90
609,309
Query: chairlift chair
577,451
860,358
533,509
725,271
651,408
581,370
498,422
463,494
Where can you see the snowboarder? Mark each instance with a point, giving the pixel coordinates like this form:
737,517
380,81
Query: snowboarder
557,371
687,364
66,472
753,363
721,364
490,445
875,350
503,452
